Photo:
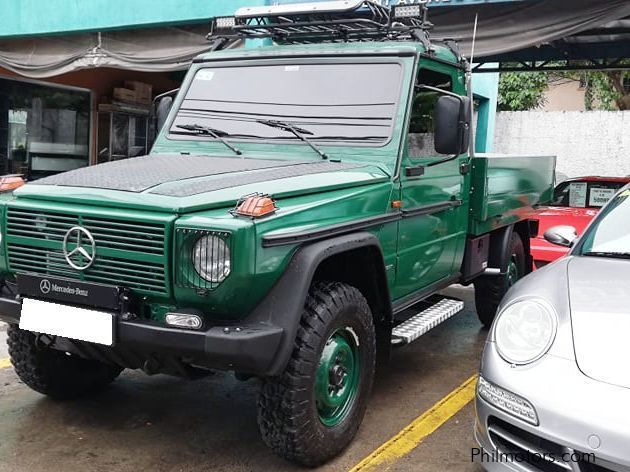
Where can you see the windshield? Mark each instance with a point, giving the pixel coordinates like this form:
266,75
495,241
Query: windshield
610,233
341,103
584,194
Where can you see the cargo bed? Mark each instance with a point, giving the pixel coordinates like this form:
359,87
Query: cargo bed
504,189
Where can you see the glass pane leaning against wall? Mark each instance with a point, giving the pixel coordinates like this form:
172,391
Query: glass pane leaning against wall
43,129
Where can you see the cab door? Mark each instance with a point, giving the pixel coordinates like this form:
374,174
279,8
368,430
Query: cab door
434,220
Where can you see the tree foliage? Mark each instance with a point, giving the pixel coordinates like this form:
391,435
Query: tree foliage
605,90
521,91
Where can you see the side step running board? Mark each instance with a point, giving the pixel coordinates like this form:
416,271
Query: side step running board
426,320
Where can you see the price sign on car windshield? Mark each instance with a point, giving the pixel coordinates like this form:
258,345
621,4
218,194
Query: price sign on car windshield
600,196
577,194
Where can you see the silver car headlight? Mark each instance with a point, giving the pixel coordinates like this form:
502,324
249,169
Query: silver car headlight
211,258
525,330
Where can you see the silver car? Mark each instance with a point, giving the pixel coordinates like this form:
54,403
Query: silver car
554,387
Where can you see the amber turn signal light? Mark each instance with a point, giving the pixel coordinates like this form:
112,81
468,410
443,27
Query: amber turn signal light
9,183
256,206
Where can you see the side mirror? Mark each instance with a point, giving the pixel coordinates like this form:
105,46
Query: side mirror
162,105
162,109
561,235
452,125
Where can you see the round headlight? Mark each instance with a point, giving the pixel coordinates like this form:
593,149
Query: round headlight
525,330
211,258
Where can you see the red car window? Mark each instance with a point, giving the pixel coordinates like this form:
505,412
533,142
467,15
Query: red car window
584,194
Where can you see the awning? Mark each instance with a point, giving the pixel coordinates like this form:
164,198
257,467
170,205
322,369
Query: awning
147,50
514,31
544,29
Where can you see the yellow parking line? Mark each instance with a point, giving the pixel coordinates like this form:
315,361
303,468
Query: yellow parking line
4,363
427,423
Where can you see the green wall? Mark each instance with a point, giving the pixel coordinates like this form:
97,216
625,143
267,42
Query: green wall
35,17
486,91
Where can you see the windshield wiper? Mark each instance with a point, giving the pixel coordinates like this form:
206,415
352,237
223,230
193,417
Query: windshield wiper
618,255
296,131
215,133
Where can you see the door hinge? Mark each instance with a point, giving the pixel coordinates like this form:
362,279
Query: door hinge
464,169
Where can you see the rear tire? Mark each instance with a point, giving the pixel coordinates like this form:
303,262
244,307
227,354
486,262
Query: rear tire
312,411
54,373
490,290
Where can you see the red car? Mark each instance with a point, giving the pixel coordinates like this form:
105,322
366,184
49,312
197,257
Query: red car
575,203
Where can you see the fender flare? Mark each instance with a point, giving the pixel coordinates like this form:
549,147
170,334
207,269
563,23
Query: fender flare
283,305
500,242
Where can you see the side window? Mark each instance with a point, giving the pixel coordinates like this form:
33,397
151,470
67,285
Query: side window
584,194
421,130
561,195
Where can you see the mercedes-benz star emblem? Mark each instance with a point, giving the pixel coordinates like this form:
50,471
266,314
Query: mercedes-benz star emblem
44,286
79,248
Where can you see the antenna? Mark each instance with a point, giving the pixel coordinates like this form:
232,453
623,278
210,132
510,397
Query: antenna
474,39
471,98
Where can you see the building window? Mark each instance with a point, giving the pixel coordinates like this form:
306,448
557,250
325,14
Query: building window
43,129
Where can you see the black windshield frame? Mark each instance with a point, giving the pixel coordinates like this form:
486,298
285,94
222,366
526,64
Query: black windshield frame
394,86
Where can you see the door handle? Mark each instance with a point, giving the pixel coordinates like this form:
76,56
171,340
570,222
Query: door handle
415,171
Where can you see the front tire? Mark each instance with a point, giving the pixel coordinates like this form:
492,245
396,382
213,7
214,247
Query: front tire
312,411
490,289
55,373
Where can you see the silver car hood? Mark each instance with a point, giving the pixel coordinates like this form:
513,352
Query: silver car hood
599,293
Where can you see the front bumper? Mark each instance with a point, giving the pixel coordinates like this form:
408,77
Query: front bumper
247,347
576,414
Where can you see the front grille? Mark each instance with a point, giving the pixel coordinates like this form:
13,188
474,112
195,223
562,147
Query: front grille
129,253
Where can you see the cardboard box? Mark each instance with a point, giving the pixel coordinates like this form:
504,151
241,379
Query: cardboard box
144,91
125,95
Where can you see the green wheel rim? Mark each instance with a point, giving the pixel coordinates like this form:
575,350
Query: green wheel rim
337,378
513,274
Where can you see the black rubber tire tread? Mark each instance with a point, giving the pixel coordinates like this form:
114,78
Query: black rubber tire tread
287,414
54,373
490,290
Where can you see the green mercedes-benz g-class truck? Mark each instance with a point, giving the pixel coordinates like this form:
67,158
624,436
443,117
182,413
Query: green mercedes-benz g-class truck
300,211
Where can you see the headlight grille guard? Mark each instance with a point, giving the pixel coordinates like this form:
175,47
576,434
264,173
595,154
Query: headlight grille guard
185,274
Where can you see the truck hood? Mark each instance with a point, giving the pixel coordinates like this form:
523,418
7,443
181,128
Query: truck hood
600,312
184,183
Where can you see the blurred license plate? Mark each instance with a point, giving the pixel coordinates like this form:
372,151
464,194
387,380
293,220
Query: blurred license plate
67,321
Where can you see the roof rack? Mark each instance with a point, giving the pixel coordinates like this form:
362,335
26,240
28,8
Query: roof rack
332,21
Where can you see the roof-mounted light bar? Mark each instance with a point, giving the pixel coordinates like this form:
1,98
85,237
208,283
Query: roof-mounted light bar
329,21
414,10
225,22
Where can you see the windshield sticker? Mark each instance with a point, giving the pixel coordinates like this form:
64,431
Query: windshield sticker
577,194
600,196
205,74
